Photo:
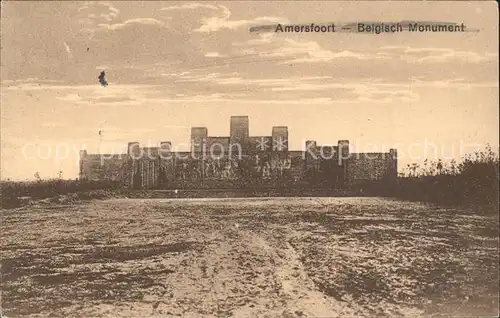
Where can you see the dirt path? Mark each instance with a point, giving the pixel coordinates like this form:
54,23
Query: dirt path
238,274
298,295
338,257
304,297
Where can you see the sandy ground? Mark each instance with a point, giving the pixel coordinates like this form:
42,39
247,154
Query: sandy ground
279,257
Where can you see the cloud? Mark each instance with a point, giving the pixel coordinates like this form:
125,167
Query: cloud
222,21
294,52
33,81
409,49
190,6
92,14
374,94
97,11
111,95
312,52
290,88
264,38
461,56
459,83
214,54
138,21
70,98
283,55
33,86
230,98
53,124
92,94
439,55
355,92
234,79
100,16
114,100
93,100
379,90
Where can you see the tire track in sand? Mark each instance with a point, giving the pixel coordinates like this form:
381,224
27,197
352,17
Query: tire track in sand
298,293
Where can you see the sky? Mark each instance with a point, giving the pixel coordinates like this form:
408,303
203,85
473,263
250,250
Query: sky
174,65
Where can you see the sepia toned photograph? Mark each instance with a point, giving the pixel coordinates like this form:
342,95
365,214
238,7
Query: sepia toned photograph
249,159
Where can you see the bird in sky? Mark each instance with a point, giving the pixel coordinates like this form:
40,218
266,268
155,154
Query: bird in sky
102,80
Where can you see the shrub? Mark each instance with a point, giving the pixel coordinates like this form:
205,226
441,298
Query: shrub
473,181
12,191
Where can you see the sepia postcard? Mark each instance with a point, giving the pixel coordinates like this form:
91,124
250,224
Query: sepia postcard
249,159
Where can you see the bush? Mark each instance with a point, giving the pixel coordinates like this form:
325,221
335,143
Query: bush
12,192
474,181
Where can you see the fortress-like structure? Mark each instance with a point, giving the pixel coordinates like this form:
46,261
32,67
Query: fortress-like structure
240,161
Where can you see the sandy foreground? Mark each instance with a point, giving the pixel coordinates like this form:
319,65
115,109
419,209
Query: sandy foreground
259,257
